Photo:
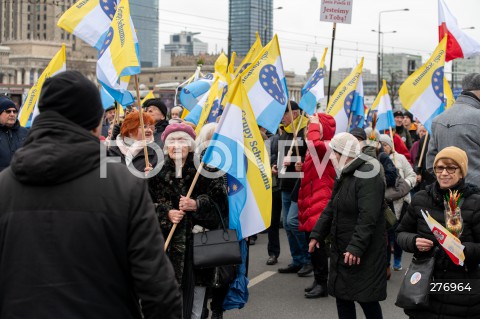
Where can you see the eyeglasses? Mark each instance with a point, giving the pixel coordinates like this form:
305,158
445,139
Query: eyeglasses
11,111
450,169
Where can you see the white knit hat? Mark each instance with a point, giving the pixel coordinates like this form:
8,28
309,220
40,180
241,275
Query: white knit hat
384,138
345,144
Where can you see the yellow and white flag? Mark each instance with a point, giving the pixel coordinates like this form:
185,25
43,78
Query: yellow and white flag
57,65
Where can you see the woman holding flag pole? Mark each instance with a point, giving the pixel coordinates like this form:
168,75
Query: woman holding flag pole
184,199
452,203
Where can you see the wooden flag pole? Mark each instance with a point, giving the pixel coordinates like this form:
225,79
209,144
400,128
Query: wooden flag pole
142,124
331,62
350,118
393,147
170,235
423,150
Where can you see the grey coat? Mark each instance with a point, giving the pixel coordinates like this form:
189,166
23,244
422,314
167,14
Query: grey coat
459,126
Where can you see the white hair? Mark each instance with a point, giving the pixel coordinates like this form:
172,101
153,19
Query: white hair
204,136
176,108
177,135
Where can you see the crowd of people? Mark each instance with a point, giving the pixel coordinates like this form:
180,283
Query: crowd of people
74,244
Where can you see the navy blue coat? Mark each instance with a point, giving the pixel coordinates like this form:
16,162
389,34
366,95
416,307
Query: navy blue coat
11,139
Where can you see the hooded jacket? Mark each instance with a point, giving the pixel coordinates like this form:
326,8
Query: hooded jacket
315,190
11,139
73,244
354,218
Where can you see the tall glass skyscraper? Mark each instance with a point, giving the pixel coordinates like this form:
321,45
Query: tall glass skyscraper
145,18
245,18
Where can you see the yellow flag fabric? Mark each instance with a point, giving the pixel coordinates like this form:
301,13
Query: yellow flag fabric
342,99
449,99
266,86
89,20
252,54
119,54
150,95
56,65
249,175
423,92
231,67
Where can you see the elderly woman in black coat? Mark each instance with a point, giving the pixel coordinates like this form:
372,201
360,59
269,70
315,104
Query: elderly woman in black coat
414,236
354,219
169,189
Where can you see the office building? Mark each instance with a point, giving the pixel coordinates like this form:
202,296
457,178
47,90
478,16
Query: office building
145,17
246,17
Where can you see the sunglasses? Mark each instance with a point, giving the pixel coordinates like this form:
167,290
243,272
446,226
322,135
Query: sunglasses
11,111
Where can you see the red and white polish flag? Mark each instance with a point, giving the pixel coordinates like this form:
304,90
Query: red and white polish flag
459,44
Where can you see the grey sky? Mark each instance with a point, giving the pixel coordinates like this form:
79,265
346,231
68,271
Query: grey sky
301,33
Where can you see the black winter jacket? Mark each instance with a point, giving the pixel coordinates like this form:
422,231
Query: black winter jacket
73,244
160,127
413,225
11,139
354,218
287,184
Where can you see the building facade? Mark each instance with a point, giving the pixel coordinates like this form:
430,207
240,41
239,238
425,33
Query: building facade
400,65
29,38
145,19
183,44
246,17
462,67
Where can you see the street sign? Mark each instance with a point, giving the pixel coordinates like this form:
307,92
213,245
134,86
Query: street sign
339,11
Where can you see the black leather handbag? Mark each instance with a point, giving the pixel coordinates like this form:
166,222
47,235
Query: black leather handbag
216,247
414,291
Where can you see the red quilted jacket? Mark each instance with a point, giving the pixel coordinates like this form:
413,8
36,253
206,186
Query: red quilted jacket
315,191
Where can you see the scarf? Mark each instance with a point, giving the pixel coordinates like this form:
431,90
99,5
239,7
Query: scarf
292,128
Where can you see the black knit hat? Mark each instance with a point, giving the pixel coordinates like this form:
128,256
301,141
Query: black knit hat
293,105
74,97
158,104
409,115
6,103
397,113
359,133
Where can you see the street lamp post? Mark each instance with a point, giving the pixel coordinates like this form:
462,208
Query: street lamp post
379,57
381,49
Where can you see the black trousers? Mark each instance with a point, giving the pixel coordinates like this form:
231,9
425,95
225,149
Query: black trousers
273,231
319,259
346,309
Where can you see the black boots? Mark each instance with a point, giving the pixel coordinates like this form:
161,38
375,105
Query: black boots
217,314
316,290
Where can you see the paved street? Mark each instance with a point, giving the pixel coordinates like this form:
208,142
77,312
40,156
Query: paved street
281,296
